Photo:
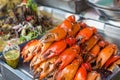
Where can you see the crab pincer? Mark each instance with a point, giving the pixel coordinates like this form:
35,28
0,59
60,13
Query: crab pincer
67,56
85,34
30,50
82,71
54,50
55,34
70,70
45,68
105,54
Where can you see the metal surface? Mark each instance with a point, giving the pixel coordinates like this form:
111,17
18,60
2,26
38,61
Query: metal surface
56,13
108,31
9,73
108,4
106,8
74,6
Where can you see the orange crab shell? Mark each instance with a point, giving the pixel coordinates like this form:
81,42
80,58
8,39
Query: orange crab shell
105,54
70,70
54,50
67,57
55,34
30,49
93,76
85,33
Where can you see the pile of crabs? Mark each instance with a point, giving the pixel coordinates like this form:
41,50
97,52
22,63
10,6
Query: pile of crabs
71,51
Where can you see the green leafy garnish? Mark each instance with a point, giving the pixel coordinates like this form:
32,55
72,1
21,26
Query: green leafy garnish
31,4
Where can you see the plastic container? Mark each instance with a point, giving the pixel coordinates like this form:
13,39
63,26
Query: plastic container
11,54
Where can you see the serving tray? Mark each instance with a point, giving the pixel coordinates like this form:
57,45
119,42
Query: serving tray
109,32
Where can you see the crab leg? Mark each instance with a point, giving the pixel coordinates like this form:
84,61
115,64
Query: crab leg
67,57
82,72
91,42
30,49
75,29
105,54
114,65
45,68
55,34
61,31
111,60
93,53
54,50
33,48
85,34
69,71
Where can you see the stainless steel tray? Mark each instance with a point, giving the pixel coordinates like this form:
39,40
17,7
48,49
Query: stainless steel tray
74,6
23,72
56,13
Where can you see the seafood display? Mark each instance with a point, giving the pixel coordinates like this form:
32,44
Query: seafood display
71,51
23,22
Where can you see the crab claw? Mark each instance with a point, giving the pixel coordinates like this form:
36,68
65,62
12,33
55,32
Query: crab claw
60,32
75,29
30,49
33,48
54,50
67,57
55,34
71,18
43,47
67,23
45,68
93,53
105,54
115,65
111,60
85,34
70,26
91,42
93,76
69,71
82,72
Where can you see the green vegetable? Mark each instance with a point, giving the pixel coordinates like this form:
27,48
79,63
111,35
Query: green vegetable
34,7
22,39
31,4
29,36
